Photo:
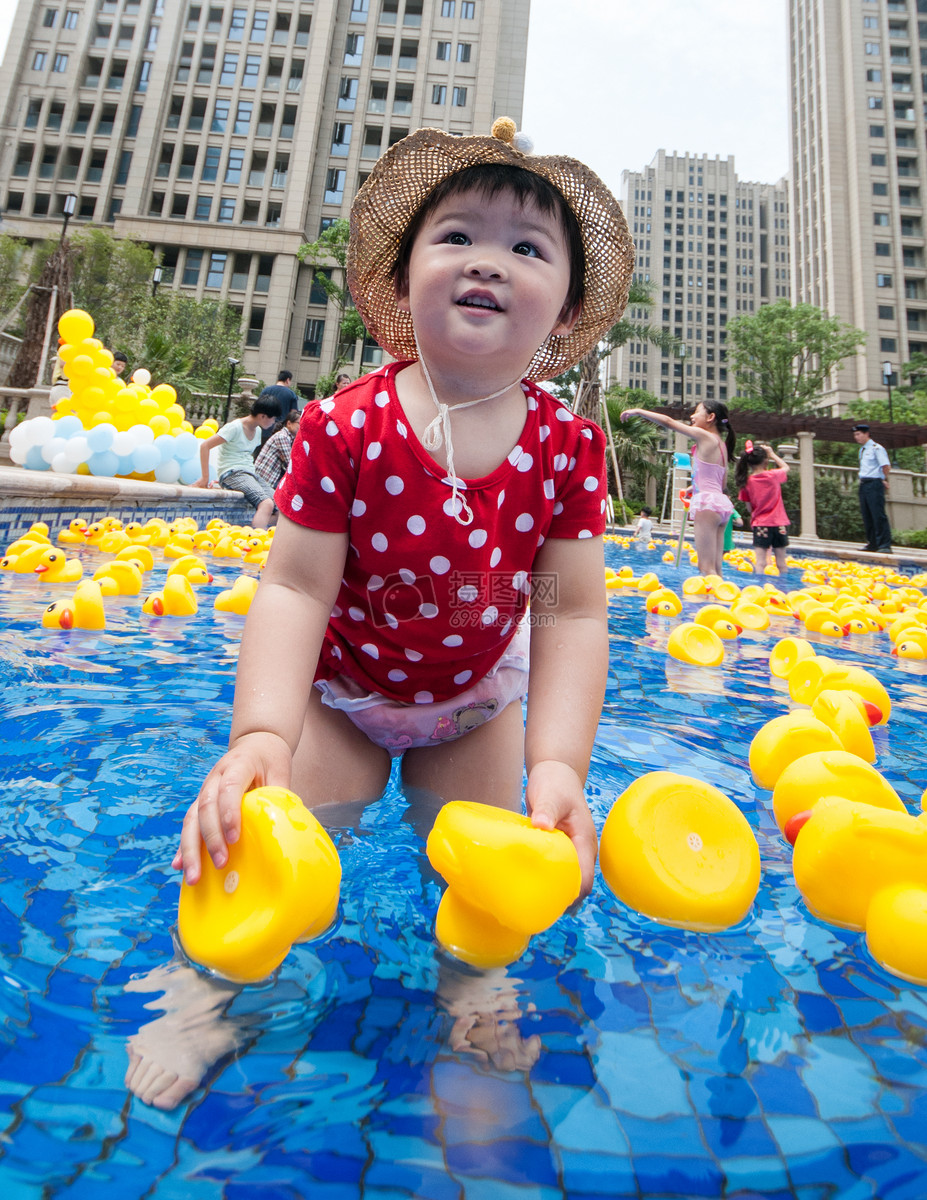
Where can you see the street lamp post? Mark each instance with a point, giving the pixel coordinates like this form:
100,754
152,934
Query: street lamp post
233,363
887,372
155,280
68,209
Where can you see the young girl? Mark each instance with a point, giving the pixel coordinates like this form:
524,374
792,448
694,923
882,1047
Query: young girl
760,485
427,501
709,507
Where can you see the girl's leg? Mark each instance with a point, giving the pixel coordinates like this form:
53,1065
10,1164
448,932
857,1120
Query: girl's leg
335,763
761,553
707,527
779,554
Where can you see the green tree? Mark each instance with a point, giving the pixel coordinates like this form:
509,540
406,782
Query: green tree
782,355
908,408
13,261
636,442
332,247
111,279
185,342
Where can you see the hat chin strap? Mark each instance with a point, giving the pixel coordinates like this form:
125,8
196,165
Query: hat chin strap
437,433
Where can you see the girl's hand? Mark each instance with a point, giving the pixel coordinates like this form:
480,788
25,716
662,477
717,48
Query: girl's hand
556,800
214,817
630,412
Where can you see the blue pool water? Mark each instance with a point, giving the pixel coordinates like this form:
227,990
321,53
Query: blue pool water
774,1060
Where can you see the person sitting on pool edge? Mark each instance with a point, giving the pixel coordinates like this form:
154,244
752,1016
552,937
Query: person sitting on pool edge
237,442
481,270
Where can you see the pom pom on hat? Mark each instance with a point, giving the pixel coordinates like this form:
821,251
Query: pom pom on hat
503,128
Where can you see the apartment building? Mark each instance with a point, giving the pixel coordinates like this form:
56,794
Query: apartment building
859,176
713,247
225,135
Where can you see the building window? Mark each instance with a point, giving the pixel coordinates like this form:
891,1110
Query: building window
303,25
220,116
273,214
229,70
60,63
95,166
873,48
359,9
873,76
373,139
187,162
226,210
880,218
211,164
467,10
886,312
870,22
264,269
237,27
193,16
281,170
876,102
341,139
334,186
877,160
152,42
317,291
447,8
184,62
883,250
70,19
214,20
888,345
215,273
55,118
312,337
164,163
281,29
203,207
156,206
38,60
258,171
880,189
106,120
288,124
402,99
412,14
295,81
877,131
443,52
377,101
33,112
259,27
439,93
191,268
408,55
49,160
241,269
234,166
255,327
144,74
243,116
347,94
883,281
460,97
383,53
179,207
122,174
463,52
353,49
252,70
50,19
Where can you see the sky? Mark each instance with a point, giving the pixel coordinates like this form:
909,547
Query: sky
611,82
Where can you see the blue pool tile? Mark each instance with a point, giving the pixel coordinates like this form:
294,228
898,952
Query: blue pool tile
494,1189
430,1182
840,1077
829,1167
624,1061
506,1160
722,1095
781,1090
743,1138
759,1177
819,1014
797,1135
675,1136
605,1175
689,1177
580,1121
573,1069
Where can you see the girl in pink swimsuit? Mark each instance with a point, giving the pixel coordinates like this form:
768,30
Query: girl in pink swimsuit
710,507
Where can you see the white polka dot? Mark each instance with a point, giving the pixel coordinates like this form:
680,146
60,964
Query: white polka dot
374,583
572,463
541,541
520,581
401,429
358,417
373,450
560,461
591,483
587,433
506,627
549,489
416,525
423,698
391,621
532,403
544,433
296,503
495,558
564,414
406,575
327,405
336,651
440,565
477,538
602,506
525,463
515,455
358,508
558,508
331,429
397,676
462,677
428,610
394,485
289,467
306,446
501,499
336,611
381,399
585,533
489,615
413,655
467,593
452,506
524,522
453,639
379,541
370,648
326,484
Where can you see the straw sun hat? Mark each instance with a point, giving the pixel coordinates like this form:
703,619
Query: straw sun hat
403,179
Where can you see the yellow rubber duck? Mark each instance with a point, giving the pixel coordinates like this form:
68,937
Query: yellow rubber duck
139,554
55,567
237,599
113,541
121,577
695,644
84,610
192,566
75,534
25,561
176,599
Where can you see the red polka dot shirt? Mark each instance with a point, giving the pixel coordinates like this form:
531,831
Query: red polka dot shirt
427,605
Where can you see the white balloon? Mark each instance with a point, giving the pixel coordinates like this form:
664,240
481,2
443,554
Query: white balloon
79,448
18,452
39,430
167,472
63,464
143,434
52,448
123,443
141,376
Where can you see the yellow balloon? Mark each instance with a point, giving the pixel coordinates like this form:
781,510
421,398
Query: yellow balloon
175,414
159,424
75,325
102,373
164,391
91,397
80,365
103,357
67,352
148,408
102,417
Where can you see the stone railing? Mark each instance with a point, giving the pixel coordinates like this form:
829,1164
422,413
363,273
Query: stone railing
9,349
907,496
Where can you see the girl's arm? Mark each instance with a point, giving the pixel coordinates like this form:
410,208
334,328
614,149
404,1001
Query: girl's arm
205,446
705,439
569,664
780,462
276,666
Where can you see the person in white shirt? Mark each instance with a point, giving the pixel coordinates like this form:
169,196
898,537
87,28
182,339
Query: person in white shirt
874,469
237,442
643,530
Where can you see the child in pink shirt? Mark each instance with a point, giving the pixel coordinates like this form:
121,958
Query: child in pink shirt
760,485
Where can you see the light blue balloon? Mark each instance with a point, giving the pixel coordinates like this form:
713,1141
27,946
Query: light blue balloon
68,426
190,471
103,463
145,458
166,444
101,437
35,461
187,446
126,466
